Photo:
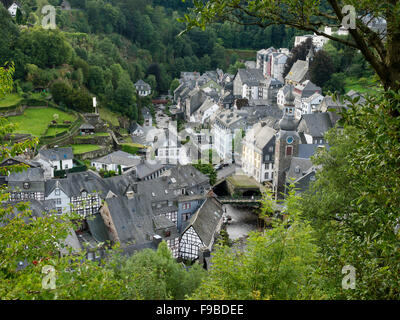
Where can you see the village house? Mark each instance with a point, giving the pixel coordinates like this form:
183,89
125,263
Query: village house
310,104
225,127
303,91
258,152
250,84
115,161
312,127
280,97
59,158
86,129
206,110
11,6
143,88
300,70
200,232
26,185
147,118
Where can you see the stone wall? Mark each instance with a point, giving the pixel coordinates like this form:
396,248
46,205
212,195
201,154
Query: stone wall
94,154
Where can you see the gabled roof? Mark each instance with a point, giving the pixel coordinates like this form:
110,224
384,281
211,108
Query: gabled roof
30,174
132,219
298,71
86,126
315,124
262,134
308,150
250,77
57,154
206,220
145,169
298,167
141,83
119,158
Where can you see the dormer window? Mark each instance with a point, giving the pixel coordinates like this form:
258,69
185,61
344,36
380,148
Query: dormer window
84,194
26,185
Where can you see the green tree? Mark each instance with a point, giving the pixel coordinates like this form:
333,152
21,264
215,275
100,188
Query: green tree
354,205
174,84
321,68
207,169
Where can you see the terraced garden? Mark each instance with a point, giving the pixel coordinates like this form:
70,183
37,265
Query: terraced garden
36,120
83,148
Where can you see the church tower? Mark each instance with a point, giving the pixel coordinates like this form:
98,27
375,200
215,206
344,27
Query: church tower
310,55
286,144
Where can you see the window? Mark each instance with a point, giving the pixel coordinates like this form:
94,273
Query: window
186,206
167,233
289,151
58,201
57,192
185,216
66,166
267,157
59,210
271,149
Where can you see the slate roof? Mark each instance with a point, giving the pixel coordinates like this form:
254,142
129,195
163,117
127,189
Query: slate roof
251,77
86,126
145,169
315,124
132,218
228,117
262,134
142,85
57,154
308,150
272,82
206,219
30,174
298,167
36,207
119,158
298,71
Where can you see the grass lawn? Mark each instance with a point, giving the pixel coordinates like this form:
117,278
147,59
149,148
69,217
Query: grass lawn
109,116
36,120
54,131
89,136
361,85
82,148
10,100
136,145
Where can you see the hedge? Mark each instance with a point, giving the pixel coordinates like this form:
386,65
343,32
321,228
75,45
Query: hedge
34,102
